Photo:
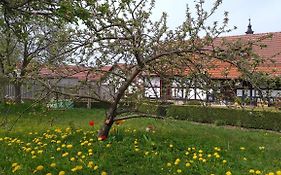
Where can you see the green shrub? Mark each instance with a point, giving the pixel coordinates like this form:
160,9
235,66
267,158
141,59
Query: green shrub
83,104
27,106
224,116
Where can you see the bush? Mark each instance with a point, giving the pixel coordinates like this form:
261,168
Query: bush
26,106
224,116
155,108
83,104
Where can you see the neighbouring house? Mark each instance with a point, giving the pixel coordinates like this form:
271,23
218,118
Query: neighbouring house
67,79
181,87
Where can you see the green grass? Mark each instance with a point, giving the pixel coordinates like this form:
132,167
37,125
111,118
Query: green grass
130,149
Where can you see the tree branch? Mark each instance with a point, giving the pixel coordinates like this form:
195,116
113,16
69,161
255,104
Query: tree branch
139,115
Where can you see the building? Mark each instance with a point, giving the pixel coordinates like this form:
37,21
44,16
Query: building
229,86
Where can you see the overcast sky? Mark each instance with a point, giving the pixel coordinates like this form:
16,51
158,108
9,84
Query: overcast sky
265,14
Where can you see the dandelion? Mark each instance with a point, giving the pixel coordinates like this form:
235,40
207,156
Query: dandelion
65,154
270,173
103,173
187,164
177,161
258,172
251,171
278,172
224,161
62,173
39,168
242,148
16,167
69,146
14,164
53,165
90,164
228,173
76,168
96,167
179,171
169,164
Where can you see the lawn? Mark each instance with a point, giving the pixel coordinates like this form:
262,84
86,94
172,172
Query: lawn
63,142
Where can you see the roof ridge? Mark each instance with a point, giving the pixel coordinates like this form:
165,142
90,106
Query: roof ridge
250,35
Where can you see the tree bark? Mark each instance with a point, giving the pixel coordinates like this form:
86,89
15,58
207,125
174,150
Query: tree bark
17,86
111,114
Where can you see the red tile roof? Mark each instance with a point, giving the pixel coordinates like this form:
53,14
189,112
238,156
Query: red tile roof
272,51
76,72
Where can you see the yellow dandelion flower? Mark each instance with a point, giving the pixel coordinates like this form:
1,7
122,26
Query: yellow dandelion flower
251,171
177,161
65,154
79,153
96,167
62,173
39,168
16,168
49,174
90,164
258,172
271,173
72,159
278,172
69,146
103,173
169,164
171,146
242,148
228,173
224,161
14,164
187,164
53,165
179,171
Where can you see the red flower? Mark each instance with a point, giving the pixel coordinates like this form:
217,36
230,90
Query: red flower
91,123
102,137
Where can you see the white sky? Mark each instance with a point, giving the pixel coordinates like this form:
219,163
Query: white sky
265,14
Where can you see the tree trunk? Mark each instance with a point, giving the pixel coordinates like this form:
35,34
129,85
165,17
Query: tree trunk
17,86
111,114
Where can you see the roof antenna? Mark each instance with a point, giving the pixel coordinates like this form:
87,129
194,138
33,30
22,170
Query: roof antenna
249,31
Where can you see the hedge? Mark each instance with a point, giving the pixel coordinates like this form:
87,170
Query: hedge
220,116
